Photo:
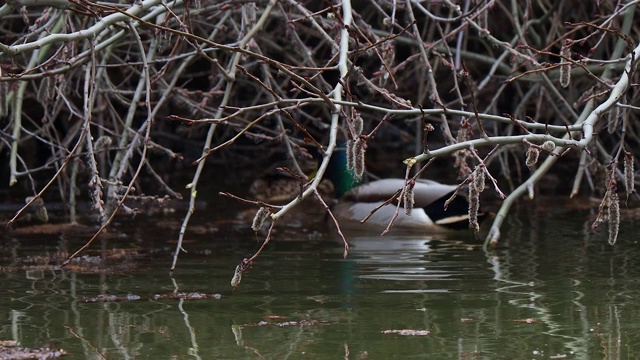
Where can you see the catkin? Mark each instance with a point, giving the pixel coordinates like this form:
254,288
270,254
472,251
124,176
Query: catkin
409,200
358,162
428,128
358,125
258,220
532,157
237,274
388,58
350,156
464,132
461,156
164,39
103,143
388,53
50,87
629,181
613,215
565,65
478,179
237,277
249,10
474,206
548,145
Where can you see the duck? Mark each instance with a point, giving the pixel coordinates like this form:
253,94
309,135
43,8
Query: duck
428,211
353,200
278,185
356,200
278,188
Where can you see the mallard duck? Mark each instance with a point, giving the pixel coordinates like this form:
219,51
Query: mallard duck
279,185
356,201
428,211
279,188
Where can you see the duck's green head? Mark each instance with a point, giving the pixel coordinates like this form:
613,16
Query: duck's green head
343,179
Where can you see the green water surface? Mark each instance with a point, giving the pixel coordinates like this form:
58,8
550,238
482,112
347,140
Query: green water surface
550,290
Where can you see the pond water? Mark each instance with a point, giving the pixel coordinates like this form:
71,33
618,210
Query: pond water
551,290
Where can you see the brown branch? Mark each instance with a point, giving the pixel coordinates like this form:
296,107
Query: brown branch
335,222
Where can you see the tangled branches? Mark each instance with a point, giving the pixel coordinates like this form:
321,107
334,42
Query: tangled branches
496,84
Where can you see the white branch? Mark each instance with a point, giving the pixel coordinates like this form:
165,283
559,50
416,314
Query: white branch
588,125
88,33
347,17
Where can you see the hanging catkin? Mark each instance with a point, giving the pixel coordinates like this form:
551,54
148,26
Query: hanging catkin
565,65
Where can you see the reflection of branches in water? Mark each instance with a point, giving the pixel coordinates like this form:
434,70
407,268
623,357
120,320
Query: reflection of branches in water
185,317
86,342
574,282
92,83
533,299
292,347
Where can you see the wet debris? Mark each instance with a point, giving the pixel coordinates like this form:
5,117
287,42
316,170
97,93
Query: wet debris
11,350
187,296
526,320
407,332
168,296
111,298
287,323
66,229
105,261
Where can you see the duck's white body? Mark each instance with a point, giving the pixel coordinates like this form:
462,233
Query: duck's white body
356,212
359,202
